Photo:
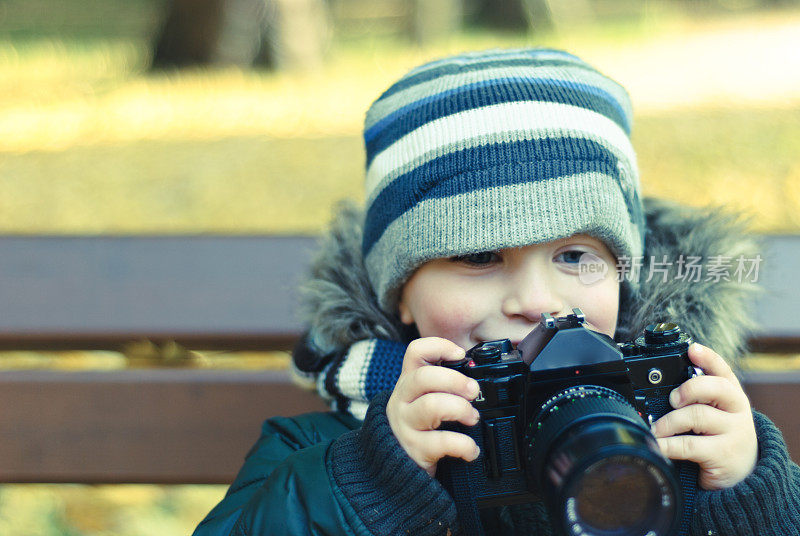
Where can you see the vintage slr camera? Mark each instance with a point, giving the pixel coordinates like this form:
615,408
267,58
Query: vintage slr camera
566,417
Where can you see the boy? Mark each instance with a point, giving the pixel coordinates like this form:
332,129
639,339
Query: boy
490,177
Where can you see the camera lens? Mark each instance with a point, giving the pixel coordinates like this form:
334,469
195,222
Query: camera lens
618,495
599,466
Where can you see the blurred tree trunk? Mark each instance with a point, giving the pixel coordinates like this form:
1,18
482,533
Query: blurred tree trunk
283,34
189,33
501,14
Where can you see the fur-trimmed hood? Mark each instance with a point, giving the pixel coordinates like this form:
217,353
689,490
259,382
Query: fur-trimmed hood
339,306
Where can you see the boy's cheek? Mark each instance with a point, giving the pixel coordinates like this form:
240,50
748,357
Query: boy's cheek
453,322
442,323
601,305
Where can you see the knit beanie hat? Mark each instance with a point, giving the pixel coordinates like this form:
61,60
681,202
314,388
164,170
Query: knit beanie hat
492,150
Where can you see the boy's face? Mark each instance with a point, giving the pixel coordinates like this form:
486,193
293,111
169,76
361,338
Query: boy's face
502,294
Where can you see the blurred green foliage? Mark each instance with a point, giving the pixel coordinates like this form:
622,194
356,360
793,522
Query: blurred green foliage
80,20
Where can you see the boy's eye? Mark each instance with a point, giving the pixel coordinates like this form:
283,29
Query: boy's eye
572,256
478,259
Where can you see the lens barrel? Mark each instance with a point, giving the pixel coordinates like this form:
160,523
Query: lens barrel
592,456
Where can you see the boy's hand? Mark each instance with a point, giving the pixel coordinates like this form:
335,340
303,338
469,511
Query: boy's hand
716,409
425,396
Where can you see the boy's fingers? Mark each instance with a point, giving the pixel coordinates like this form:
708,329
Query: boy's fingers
711,362
698,449
430,351
712,390
697,418
438,379
429,411
436,444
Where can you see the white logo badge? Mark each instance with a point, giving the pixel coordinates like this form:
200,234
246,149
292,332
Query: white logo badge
591,269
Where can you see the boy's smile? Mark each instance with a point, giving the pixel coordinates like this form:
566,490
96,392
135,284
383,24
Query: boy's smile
502,294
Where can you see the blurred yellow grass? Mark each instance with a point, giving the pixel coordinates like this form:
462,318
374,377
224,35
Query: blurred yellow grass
771,362
742,159
90,144
143,354
198,106
106,510
57,95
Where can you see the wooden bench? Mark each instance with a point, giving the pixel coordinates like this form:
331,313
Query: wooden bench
208,292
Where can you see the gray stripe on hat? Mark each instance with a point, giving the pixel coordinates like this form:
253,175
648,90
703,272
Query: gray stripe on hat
498,218
469,58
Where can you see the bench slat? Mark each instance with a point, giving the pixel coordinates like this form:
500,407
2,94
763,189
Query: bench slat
137,426
190,426
226,292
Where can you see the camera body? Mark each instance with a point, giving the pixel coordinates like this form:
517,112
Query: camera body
560,408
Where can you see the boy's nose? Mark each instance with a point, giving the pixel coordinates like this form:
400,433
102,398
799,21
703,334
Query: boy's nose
530,300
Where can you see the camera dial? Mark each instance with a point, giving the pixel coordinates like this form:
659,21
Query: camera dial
662,333
485,355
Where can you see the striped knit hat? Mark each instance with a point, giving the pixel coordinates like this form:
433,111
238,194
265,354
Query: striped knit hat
496,149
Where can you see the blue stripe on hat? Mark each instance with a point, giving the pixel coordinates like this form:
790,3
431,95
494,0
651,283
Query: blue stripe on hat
505,58
474,168
487,93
